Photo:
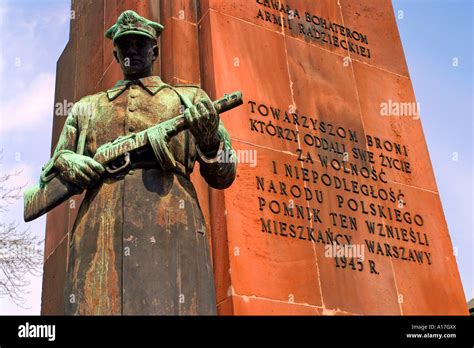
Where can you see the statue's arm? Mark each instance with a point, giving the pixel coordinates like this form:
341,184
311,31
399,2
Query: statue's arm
67,143
219,168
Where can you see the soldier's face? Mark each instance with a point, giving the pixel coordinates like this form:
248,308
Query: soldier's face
135,53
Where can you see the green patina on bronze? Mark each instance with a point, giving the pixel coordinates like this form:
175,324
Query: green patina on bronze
139,244
80,172
129,22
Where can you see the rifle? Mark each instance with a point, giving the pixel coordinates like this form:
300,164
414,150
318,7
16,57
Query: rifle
114,156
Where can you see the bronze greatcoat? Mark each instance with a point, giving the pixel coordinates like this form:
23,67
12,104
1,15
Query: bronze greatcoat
139,244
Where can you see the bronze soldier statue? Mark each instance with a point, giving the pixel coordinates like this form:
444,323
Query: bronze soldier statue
139,244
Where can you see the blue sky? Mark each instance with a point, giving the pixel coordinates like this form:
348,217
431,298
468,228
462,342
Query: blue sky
433,33
33,35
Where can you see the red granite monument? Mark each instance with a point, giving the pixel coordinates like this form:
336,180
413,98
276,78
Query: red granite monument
335,208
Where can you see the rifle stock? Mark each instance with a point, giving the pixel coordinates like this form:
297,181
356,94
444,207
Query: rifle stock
43,197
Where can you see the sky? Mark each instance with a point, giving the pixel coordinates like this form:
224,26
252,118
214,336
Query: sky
435,34
33,35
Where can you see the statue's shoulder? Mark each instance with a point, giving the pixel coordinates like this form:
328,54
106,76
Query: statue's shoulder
87,104
193,91
92,98
188,85
189,90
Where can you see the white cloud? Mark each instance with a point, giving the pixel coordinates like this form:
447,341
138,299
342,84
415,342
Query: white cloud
31,107
36,35
25,175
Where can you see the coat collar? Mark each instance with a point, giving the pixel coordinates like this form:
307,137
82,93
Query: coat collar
151,84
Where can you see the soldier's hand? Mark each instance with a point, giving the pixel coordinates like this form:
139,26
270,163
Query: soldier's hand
158,138
203,122
80,170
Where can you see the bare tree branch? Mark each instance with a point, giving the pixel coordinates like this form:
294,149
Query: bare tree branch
20,250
